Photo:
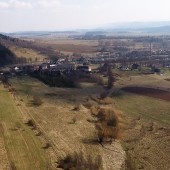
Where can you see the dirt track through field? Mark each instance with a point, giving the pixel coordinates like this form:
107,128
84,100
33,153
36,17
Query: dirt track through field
150,92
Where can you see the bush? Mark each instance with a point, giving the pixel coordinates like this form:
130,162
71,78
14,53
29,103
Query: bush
31,123
90,104
105,101
74,120
108,125
111,78
116,93
94,110
77,108
46,145
97,79
77,161
36,101
106,132
103,94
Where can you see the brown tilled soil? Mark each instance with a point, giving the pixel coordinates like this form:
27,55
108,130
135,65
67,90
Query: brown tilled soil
150,92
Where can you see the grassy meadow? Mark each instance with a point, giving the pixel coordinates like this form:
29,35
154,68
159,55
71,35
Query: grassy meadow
29,54
68,129
146,107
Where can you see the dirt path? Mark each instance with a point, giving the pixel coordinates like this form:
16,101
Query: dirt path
114,157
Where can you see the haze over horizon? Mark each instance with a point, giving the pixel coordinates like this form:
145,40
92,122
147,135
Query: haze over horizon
55,15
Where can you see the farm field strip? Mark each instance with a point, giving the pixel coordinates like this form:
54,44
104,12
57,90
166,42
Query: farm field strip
150,92
147,107
18,138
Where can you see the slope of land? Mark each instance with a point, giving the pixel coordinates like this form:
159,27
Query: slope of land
28,49
29,55
68,129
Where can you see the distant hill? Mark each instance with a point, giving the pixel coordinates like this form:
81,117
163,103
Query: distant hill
43,33
157,27
138,27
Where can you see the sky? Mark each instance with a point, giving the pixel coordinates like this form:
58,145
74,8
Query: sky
55,15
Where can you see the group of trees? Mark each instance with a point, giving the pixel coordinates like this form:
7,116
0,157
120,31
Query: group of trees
6,56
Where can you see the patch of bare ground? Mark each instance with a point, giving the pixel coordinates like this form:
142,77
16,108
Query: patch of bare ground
167,79
155,93
114,157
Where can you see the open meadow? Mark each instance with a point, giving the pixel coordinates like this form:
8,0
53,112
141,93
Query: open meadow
64,120
69,46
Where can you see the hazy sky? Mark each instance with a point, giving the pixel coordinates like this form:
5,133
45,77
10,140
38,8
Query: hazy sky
27,15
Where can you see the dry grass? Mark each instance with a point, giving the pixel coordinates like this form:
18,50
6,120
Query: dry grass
62,41
36,101
27,53
70,45
103,101
144,135
56,113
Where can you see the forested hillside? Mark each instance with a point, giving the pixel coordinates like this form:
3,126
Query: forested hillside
6,56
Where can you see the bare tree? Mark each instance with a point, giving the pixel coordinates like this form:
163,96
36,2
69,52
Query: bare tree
108,125
111,78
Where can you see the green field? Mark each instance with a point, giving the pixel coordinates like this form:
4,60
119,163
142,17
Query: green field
145,107
24,149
